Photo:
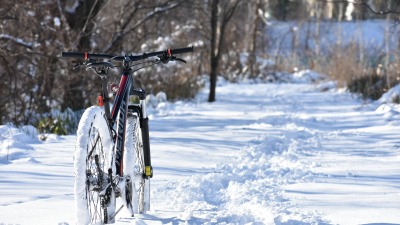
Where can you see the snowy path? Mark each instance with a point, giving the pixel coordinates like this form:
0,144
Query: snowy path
264,153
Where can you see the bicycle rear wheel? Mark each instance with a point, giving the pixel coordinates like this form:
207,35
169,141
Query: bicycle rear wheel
135,167
94,197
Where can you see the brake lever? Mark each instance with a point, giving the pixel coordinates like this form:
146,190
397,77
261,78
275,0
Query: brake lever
78,65
166,58
86,62
173,58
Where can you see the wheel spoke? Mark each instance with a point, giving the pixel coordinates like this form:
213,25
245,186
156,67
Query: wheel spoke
94,146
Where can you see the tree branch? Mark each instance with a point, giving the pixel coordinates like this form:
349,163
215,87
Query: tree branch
17,41
119,35
231,10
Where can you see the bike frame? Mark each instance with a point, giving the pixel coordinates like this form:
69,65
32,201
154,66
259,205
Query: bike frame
120,107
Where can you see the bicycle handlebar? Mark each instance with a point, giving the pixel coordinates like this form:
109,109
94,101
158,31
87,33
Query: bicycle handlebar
87,55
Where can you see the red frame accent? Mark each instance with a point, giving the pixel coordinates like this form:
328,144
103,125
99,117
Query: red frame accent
122,87
100,100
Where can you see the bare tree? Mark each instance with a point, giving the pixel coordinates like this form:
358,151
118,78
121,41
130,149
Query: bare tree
128,26
252,42
31,36
219,22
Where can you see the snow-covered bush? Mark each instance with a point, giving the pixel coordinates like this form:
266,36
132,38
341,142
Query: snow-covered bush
56,122
372,86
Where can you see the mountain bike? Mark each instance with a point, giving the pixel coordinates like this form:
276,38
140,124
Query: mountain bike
112,155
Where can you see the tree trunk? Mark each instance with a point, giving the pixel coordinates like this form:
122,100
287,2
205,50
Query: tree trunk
81,20
253,40
214,53
217,40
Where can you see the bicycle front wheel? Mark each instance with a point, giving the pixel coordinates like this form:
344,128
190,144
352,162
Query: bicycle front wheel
94,197
135,167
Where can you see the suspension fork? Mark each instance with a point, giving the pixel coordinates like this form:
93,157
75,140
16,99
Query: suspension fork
144,125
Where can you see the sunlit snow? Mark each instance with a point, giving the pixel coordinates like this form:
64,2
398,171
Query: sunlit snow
292,152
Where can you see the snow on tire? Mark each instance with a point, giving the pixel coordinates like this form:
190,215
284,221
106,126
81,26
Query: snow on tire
91,163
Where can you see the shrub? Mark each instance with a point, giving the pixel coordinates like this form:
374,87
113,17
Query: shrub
371,85
54,126
56,122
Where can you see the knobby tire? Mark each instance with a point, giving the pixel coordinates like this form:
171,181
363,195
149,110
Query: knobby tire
94,198
134,165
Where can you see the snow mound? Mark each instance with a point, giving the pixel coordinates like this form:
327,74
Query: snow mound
391,96
389,111
158,104
389,106
14,142
307,76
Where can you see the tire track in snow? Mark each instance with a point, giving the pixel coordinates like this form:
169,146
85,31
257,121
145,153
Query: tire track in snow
303,137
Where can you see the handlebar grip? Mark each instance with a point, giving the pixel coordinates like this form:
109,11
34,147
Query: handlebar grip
79,55
181,50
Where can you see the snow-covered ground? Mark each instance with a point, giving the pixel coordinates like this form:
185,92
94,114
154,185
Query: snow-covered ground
264,153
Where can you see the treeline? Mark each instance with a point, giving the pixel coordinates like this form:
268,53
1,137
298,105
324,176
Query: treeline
34,80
